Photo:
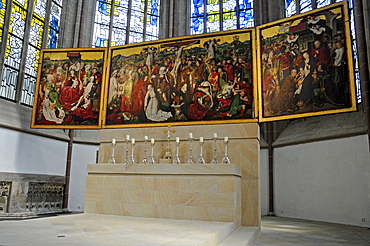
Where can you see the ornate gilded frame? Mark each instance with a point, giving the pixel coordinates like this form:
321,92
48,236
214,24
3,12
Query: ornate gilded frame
182,81
68,91
305,65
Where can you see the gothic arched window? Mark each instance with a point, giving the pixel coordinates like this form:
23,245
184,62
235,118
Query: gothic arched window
124,22
25,28
220,15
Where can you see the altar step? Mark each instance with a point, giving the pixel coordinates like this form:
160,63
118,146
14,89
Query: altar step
94,229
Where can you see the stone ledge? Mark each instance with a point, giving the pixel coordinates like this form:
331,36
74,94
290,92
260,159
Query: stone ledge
17,216
165,169
243,236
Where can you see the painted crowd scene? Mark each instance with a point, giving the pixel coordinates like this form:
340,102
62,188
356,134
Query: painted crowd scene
182,81
304,65
69,90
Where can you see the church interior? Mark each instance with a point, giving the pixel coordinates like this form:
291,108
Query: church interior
290,181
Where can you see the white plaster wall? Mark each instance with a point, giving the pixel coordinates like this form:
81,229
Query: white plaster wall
26,153
81,156
264,172
324,181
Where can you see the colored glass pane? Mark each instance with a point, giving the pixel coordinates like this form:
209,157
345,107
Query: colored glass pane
118,37
290,7
54,25
138,5
197,8
213,23
119,19
151,30
135,37
136,21
228,5
28,89
36,32
17,21
230,21
305,5
40,8
2,15
9,83
213,6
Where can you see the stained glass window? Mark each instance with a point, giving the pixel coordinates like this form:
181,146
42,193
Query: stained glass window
132,21
24,43
307,5
220,15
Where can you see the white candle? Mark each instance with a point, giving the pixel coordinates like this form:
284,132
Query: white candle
201,139
177,140
190,135
152,140
127,137
226,139
133,140
215,135
146,138
113,141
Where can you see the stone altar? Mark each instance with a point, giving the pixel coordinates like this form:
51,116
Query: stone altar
243,152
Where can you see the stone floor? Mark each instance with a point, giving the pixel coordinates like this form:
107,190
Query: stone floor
290,232
92,229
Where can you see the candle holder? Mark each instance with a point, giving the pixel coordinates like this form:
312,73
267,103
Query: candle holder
190,158
214,160
201,159
132,159
126,157
177,159
226,159
168,152
151,158
145,161
112,160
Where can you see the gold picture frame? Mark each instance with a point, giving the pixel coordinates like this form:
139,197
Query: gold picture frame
68,91
305,65
182,81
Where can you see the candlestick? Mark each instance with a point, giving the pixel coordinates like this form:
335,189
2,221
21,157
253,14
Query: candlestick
201,159
214,160
168,153
112,159
132,159
190,158
145,161
226,159
126,157
151,159
177,159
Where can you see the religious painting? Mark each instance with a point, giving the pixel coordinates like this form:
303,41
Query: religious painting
305,65
68,90
199,79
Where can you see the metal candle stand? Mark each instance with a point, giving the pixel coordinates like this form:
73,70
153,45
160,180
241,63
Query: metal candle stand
112,160
145,161
126,157
151,158
226,159
132,159
190,159
177,159
214,160
201,159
